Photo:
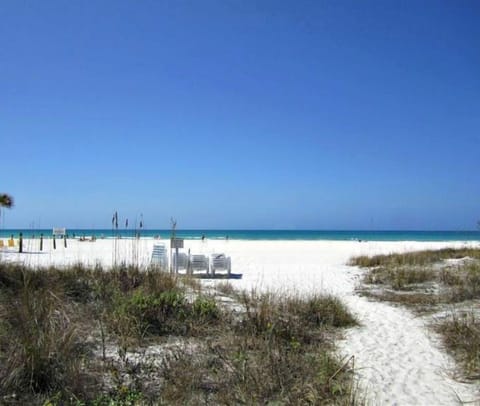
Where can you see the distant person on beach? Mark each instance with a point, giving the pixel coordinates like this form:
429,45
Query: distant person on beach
203,237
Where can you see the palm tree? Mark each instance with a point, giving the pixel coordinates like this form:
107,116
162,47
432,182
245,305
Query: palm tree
6,201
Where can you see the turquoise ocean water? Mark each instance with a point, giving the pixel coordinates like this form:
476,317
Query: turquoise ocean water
335,235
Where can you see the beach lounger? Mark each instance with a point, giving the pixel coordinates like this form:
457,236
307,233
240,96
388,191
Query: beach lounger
159,256
182,261
199,263
220,262
11,242
1,244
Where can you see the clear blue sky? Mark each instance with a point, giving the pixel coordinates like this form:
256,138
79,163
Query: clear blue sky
241,114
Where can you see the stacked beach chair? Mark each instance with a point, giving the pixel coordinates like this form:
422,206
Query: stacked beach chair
220,262
159,257
190,263
198,262
181,262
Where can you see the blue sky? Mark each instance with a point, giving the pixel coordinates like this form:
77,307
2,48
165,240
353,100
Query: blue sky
241,114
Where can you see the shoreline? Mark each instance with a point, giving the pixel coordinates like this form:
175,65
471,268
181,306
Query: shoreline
261,235
161,238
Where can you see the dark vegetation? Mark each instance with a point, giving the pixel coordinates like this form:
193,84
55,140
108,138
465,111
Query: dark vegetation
130,337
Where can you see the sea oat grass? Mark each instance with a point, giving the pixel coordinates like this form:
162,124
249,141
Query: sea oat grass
417,258
319,310
461,336
226,288
243,369
424,272
43,350
463,282
399,278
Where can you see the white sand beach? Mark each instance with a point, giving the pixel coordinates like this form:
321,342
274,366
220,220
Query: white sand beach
397,359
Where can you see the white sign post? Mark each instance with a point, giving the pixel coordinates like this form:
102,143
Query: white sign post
176,243
59,231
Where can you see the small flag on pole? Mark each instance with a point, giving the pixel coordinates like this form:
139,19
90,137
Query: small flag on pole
115,220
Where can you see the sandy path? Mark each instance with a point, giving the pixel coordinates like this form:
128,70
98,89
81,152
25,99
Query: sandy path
398,361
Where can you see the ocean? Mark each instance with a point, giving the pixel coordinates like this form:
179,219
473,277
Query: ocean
334,235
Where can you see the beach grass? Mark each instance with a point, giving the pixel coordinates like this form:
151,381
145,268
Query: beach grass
427,280
400,277
461,335
87,336
416,258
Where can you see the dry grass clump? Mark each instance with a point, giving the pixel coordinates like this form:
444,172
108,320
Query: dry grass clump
423,273
226,288
77,335
420,302
416,258
236,370
461,335
411,286
463,282
290,313
40,348
399,278
43,342
292,318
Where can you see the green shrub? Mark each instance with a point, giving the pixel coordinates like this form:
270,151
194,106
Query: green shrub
123,396
144,313
205,308
76,283
324,311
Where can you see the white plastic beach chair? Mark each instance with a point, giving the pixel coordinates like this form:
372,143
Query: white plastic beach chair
199,262
220,262
159,256
182,261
